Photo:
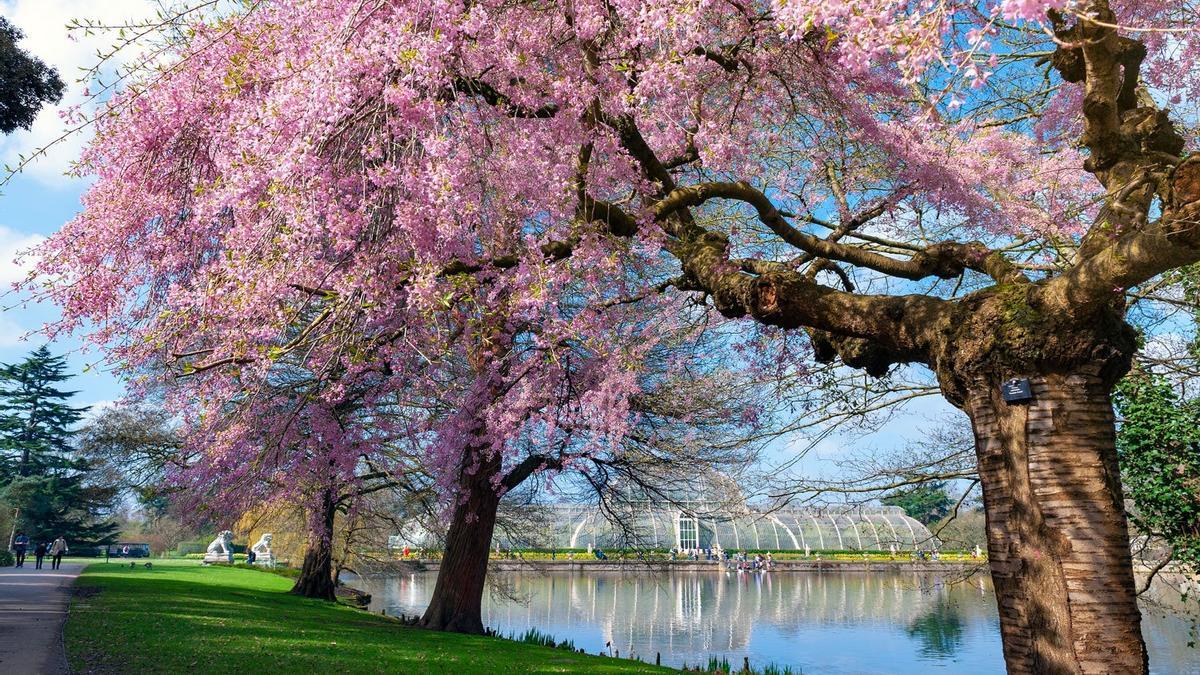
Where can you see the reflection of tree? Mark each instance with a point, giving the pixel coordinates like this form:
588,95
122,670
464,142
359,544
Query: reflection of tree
940,630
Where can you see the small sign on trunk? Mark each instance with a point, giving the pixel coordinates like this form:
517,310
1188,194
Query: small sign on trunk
1016,390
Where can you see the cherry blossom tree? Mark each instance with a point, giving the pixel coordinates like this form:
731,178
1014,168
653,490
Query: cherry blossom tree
401,188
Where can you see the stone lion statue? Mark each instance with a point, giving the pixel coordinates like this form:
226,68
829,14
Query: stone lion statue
221,548
262,551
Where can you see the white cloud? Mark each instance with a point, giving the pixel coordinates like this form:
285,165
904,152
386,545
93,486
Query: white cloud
94,409
10,333
44,24
13,243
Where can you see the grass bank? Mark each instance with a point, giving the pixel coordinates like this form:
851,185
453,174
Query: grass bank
181,617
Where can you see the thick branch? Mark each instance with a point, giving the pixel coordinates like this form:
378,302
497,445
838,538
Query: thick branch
527,468
485,91
1173,241
945,260
904,325
1132,144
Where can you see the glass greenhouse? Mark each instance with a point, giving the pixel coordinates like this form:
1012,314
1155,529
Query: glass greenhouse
579,526
707,511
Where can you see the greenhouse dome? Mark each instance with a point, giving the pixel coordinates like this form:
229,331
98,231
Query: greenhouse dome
578,526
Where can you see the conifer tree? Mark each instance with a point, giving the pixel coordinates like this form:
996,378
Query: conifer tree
41,474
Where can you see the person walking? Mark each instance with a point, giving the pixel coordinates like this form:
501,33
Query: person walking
19,545
38,554
57,549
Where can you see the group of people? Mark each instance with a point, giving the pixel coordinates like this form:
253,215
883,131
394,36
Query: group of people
55,549
741,561
716,553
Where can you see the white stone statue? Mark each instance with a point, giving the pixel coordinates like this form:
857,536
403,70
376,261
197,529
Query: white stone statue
262,551
221,549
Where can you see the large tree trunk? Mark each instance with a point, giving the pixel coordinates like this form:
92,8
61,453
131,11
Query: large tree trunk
1057,536
456,604
316,577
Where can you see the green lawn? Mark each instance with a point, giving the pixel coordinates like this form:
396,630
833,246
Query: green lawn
181,617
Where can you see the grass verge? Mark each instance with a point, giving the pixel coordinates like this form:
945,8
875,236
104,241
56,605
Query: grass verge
181,617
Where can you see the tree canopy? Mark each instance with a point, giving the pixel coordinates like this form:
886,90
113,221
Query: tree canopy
927,503
26,83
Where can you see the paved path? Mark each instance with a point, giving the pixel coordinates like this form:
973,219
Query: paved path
33,606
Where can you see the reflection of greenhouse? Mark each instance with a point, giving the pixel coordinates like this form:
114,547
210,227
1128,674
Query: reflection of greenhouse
686,614
576,526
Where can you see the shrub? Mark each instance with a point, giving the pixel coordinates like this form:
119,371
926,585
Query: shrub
200,556
289,572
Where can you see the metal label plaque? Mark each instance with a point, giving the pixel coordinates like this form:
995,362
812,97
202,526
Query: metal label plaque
1017,390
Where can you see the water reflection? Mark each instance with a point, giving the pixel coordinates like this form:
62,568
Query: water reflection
940,630
819,622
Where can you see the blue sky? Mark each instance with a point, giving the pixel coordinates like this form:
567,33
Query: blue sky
38,201
30,209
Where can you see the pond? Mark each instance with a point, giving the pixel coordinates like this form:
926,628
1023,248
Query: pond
853,622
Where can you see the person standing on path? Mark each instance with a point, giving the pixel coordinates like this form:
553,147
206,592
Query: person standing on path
38,554
57,549
19,545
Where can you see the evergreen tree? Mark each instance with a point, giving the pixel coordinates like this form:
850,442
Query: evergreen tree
41,474
927,503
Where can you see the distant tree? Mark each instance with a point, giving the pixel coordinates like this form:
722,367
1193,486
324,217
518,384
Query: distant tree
35,420
1158,445
55,490
962,531
927,503
134,447
26,84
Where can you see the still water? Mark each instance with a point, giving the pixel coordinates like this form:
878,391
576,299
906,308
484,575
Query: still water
814,622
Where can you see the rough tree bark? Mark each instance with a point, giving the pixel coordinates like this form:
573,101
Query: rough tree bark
456,604
316,576
1057,538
